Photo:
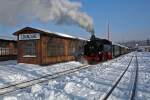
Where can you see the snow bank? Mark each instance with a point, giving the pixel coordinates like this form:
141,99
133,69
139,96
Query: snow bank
36,88
10,98
78,90
15,78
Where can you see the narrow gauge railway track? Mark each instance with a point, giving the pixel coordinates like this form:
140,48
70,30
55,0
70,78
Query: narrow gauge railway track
106,95
13,87
17,86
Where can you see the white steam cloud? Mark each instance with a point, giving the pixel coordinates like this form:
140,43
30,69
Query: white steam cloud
59,11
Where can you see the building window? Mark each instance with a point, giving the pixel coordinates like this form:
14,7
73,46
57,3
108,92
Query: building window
30,48
5,44
55,47
72,48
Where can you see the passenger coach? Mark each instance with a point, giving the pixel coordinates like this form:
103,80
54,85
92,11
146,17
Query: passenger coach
118,49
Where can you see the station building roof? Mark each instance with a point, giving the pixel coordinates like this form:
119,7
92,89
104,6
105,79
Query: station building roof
46,32
7,38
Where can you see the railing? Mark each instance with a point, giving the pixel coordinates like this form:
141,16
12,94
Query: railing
7,52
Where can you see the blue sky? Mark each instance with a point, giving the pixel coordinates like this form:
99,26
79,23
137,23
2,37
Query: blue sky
129,20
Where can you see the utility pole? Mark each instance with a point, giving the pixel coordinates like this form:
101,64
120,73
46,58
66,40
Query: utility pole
108,34
148,42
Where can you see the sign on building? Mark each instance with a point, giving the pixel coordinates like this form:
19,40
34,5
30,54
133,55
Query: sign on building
33,36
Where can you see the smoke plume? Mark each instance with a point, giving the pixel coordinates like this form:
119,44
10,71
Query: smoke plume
58,11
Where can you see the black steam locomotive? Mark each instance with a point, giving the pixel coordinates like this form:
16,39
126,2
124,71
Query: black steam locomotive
97,50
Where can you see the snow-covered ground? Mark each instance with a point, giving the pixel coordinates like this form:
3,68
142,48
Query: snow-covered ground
143,86
87,84
11,72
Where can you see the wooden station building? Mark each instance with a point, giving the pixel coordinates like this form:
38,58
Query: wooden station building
38,46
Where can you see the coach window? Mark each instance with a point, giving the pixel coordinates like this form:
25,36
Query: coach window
55,47
30,49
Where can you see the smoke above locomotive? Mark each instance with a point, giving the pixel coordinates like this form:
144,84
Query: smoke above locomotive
58,11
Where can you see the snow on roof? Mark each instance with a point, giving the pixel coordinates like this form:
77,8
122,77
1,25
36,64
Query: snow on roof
8,38
57,33
61,34
119,45
82,39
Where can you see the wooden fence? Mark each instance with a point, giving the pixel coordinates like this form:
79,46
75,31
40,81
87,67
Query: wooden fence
8,54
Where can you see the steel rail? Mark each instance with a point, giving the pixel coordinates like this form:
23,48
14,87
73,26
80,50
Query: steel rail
133,92
114,85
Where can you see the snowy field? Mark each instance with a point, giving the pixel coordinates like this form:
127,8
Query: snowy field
87,84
